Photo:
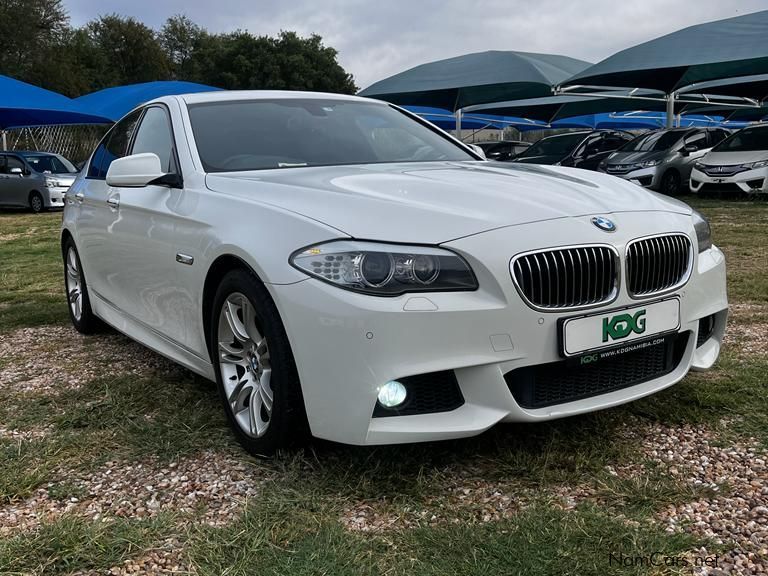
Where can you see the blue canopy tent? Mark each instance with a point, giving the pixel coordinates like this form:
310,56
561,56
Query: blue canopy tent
23,105
635,120
114,103
445,120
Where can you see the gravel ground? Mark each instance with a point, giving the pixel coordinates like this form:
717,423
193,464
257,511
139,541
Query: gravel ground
49,358
736,518
214,484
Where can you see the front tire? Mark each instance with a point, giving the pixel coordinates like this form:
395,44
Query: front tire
255,371
78,301
36,204
670,183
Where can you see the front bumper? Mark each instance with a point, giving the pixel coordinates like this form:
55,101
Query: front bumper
347,345
749,181
55,197
646,177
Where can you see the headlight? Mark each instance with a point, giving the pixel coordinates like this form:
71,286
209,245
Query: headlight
651,163
703,231
385,269
753,165
51,183
698,166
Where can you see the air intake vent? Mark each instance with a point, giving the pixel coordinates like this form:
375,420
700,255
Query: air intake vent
658,264
574,277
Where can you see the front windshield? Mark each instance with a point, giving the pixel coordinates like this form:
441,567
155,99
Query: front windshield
52,164
287,133
655,141
560,145
745,140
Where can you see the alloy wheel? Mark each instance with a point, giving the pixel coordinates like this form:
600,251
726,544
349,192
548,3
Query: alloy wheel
74,285
244,361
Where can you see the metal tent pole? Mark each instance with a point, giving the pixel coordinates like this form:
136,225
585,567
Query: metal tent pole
458,123
671,110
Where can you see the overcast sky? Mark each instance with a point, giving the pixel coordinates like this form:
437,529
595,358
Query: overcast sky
377,38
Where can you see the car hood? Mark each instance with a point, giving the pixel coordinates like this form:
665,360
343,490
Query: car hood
729,158
545,159
436,202
636,157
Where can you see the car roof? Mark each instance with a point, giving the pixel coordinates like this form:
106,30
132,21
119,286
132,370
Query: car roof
239,95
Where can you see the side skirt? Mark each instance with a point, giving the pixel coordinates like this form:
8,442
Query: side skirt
149,337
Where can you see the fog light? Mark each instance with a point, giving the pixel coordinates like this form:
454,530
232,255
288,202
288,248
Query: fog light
392,394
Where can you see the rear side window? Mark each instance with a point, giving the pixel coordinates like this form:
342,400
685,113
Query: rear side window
154,135
745,140
113,146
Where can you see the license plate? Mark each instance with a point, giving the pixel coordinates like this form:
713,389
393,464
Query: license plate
617,327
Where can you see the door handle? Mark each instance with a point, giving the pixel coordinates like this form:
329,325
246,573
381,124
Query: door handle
79,197
114,202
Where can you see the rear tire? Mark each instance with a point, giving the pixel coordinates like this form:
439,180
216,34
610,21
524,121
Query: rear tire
36,203
670,183
76,290
255,371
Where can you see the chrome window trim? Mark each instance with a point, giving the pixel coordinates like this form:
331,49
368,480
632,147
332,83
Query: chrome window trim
612,296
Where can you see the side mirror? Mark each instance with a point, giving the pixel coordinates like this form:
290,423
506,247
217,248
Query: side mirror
135,171
688,148
479,151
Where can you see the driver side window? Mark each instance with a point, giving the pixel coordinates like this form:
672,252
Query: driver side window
14,162
699,140
154,135
113,146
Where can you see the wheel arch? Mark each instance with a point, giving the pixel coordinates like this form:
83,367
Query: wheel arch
216,271
65,235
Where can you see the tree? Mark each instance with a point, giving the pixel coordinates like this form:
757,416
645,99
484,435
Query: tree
240,60
128,52
179,38
28,27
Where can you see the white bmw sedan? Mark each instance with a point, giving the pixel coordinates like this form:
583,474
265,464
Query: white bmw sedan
344,269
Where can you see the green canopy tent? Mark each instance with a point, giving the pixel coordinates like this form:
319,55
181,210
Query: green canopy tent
479,78
712,51
733,115
555,108
755,87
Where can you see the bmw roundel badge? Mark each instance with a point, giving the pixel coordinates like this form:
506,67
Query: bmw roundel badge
604,224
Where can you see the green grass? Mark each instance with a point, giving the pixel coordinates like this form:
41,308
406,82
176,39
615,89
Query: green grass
296,533
31,274
293,526
71,543
107,420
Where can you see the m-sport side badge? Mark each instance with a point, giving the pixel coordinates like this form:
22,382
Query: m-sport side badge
604,224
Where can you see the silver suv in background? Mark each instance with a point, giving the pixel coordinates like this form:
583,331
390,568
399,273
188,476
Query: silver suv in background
34,180
662,160
738,165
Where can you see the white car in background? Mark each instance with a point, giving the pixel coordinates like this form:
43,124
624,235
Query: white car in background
739,164
340,267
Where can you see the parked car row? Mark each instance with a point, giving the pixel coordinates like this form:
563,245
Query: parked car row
34,180
670,161
662,160
702,160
